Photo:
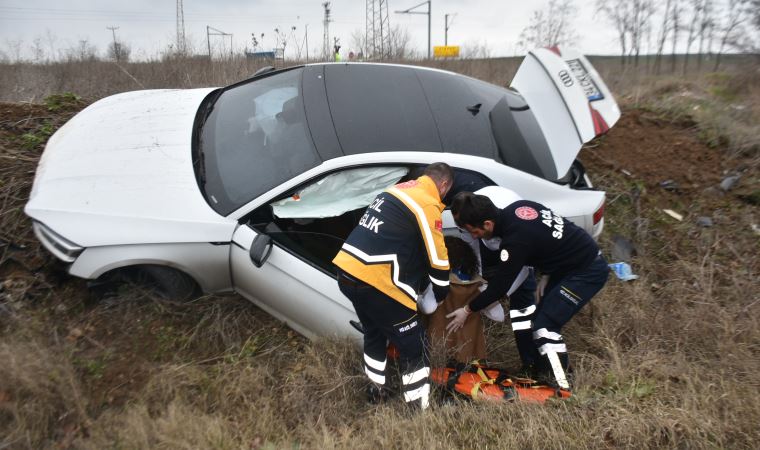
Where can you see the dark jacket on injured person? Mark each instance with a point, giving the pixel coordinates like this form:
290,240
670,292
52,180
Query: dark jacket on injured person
398,247
533,235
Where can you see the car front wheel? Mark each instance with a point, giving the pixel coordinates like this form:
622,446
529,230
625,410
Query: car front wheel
169,283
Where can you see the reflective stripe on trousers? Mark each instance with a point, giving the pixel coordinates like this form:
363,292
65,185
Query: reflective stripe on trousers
417,387
375,369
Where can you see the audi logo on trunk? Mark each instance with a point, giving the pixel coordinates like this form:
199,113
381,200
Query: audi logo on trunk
565,77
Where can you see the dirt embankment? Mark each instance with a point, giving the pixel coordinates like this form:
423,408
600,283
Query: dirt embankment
646,161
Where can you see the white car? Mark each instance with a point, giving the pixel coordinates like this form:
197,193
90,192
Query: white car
253,187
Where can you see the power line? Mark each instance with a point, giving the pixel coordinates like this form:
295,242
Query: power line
216,33
81,14
410,11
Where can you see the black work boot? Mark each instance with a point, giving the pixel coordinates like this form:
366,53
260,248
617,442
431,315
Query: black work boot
527,372
376,394
545,372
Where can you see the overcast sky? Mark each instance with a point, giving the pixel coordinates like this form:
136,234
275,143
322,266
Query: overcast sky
148,26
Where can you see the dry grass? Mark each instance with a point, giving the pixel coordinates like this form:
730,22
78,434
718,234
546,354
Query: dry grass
671,360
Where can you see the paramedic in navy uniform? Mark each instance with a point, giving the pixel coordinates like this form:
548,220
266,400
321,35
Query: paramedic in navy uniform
531,234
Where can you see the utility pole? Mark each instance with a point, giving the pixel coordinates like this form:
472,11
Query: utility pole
410,11
295,39
447,25
307,42
181,43
377,32
116,49
326,37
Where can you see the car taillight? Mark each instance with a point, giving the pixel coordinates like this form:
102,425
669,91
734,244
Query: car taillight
598,214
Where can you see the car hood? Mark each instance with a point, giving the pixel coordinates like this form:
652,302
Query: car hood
120,172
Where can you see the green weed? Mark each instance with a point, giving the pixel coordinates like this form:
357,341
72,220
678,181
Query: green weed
58,102
34,139
93,368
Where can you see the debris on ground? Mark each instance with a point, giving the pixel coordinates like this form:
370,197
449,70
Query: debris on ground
704,222
673,214
623,271
669,185
728,183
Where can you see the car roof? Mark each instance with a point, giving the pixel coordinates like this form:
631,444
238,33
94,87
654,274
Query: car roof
366,108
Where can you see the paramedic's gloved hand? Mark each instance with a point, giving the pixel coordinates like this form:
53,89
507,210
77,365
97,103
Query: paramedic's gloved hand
458,318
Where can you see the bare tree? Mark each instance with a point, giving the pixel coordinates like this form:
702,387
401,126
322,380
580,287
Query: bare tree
696,13
550,26
475,49
704,28
358,42
38,53
754,41
632,21
119,51
51,40
639,24
14,49
615,11
401,42
665,29
83,51
737,12
675,14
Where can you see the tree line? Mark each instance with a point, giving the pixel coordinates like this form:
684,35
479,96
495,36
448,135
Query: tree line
710,28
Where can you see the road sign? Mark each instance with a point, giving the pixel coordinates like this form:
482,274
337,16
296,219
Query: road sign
448,51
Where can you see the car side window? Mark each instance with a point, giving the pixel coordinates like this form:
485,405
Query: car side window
315,219
256,138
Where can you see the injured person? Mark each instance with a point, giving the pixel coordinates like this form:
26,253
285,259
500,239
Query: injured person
467,343
522,292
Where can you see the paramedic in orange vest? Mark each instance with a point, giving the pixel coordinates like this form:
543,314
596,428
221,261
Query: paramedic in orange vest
395,252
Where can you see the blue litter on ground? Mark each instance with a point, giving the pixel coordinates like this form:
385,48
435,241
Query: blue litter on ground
623,271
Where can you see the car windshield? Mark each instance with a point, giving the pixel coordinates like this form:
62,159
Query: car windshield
254,138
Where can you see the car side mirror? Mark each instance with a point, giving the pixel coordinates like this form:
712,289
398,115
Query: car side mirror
261,248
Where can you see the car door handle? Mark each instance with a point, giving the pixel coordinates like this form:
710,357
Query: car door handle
357,325
261,248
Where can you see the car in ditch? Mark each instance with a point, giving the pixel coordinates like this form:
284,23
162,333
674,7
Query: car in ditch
253,187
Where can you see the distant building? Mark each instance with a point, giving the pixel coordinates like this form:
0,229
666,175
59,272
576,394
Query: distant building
260,55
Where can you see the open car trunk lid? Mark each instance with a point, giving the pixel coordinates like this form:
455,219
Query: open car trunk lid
568,99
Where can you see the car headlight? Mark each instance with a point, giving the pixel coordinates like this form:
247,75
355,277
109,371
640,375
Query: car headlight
58,245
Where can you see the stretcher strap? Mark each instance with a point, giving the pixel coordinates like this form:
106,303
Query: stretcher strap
484,380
